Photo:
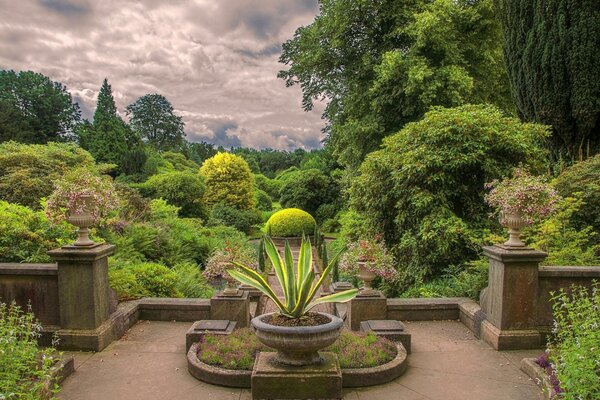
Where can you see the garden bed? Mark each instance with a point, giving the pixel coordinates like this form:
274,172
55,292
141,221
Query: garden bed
236,365
539,375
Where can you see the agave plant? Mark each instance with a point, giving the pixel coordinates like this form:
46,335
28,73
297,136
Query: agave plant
299,288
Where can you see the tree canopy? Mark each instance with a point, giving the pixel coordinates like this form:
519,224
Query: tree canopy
381,64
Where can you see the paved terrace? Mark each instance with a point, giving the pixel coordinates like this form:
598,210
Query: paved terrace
447,363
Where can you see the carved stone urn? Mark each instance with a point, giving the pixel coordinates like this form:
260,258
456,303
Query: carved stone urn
80,216
366,276
232,285
514,222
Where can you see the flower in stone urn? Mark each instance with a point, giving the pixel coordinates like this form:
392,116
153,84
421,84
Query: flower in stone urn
519,201
367,259
222,260
82,198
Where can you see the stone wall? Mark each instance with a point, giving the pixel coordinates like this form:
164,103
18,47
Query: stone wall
35,284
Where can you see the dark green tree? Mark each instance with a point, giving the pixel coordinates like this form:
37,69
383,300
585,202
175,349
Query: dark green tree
152,117
308,190
44,107
200,151
552,51
12,124
382,64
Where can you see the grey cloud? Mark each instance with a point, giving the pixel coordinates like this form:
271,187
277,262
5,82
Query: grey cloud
65,7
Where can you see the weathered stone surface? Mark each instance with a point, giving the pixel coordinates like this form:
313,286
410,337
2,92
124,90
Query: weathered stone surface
215,375
273,381
83,286
366,308
539,376
174,309
424,309
341,286
201,328
361,377
231,308
510,339
389,329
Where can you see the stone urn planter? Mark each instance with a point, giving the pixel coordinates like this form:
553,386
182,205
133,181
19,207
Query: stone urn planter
81,217
514,222
232,286
297,345
367,276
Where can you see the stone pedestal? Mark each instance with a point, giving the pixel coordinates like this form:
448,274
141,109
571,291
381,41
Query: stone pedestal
389,329
207,326
341,286
83,285
231,308
363,308
510,300
274,381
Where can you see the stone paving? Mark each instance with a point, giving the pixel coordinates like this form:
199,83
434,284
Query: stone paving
447,363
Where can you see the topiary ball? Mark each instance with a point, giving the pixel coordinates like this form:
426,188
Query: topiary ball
291,222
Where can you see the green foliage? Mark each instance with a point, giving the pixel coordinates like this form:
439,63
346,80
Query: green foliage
12,124
575,342
552,58
180,162
242,220
270,186
263,200
133,161
383,64
299,288
144,279
182,189
199,152
152,117
46,108
229,181
291,222
28,172
27,235
308,190
238,350
582,180
424,189
24,368
190,282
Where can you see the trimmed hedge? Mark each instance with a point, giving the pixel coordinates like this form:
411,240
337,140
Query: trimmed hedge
290,222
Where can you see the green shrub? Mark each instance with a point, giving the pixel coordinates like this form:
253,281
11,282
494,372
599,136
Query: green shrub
27,235
179,162
290,222
308,190
228,181
190,282
271,186
24,367
582,180
263,200
242,220
424,189
28,172
134,280
575,342
182,189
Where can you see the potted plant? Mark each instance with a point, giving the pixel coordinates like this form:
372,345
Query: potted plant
296,333
221,261
519,201
82,198
368,259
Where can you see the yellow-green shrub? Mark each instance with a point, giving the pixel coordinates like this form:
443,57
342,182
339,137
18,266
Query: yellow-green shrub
229,181
291,222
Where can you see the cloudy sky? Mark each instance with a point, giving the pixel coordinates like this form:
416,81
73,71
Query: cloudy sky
215,60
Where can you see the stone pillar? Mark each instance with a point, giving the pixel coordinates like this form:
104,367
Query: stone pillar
83,290
510,300
231,308
366,307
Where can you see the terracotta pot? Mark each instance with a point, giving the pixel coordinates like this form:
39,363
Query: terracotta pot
297,345
514,222
82,219
367,276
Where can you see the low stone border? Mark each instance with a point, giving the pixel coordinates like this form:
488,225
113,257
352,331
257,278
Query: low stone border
539,376
64,366
351,377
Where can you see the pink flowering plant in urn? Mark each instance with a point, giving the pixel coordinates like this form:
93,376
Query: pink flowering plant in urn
82,198
368,259
221,261
519,201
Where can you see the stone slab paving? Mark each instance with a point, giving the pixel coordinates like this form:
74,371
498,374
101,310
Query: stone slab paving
447,363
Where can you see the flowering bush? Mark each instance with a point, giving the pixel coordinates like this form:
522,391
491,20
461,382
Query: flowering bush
523,194
24,368
380,261
221,260
77,185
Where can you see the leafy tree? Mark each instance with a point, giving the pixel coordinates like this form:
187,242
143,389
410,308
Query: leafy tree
12,124
242,220
229,181
152,117
270,186
307,190
201,151
382,64
180,162
45,107
552,51
424,189
28,172
182,189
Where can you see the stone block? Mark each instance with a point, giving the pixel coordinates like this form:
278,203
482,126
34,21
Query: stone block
341,286
232,308
201,328
364,308
389,329
510,339
274,381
